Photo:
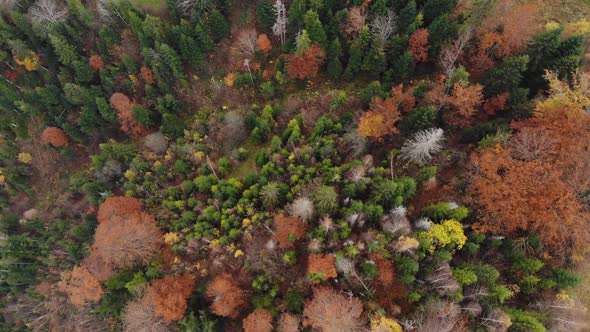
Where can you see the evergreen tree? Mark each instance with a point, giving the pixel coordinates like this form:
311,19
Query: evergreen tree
265,14
315,28
64,50
401,70
334,63
83,72
407,17
440,31
374,61
296,13
435,8
355,60
218,26
505,77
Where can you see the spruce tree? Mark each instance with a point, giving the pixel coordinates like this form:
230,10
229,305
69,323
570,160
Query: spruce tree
334,63
315,28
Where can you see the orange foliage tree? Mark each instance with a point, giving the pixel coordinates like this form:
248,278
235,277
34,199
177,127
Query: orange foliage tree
306,65
504,33
418,45
124,242
288,323
81,286
321,267
96,63
538,183
385,270
263,43
123,107
464,101
258,321
54,136
288,230
169,296
496,103
147,75
332,311
118,206
383,115
227,296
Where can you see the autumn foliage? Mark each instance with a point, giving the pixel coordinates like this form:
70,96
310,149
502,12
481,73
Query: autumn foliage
123,107
96,63
535,183
418,45
81,286
127,241
496,103
54,136
258,321
306,65
147,75
263,43
227,296
332,311
288,230
118,206
169,296
384,114
323,266
464,101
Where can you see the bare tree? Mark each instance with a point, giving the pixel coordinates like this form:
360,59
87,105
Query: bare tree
8,4
438,316
187,7
301,207
421,147
531,144
441,279
139,316
451,52
246,42
280,27
48,12
396,222
496,321
385,25
565,314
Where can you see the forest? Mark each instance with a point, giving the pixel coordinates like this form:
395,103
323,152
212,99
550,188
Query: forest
295,165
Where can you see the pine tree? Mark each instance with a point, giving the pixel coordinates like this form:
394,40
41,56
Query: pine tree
407,17
64,50
314,27
296,13
334,63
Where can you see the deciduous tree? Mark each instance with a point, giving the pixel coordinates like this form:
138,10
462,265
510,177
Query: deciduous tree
322,266
288,230
96,63
306,65
80,286
54,136
464,101
260,320
418,45
169,296
118,206
227,297
123,107
329,310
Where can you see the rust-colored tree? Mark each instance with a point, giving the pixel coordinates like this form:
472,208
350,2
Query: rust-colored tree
80,286
464,101
418,45
118,206
263,44
381,119
385,270
321,267
537,184
405,100
288,230
258,321
329,310
123,107
147,75
96,63
54,136
126,241
306,65
288,323
227,296
169,296
496,103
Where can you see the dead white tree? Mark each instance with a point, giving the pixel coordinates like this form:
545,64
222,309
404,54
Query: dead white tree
451,52
48,12
187,7
441,279
496,321
423,145
280,27
246,42
8,4
385,25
